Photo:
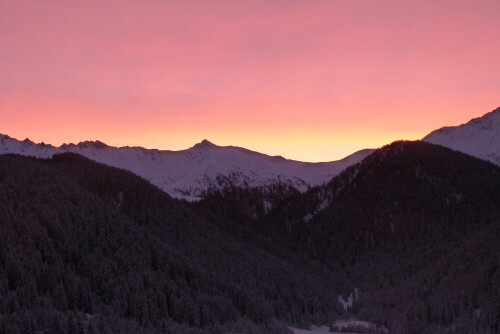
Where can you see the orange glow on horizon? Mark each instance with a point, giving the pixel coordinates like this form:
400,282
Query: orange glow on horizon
308,80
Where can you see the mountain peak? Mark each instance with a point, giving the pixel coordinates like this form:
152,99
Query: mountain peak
204,144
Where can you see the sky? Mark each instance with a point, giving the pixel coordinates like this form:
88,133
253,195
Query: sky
309,80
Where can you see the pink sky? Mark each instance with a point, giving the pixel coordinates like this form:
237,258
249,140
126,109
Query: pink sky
309,80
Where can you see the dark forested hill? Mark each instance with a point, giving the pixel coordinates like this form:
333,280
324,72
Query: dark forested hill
408,239
416,228
87,248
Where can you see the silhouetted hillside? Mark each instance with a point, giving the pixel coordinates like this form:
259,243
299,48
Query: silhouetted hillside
415,227
88,248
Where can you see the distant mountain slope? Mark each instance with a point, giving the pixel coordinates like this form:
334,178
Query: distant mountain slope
480,137
87,248
414,227
190,173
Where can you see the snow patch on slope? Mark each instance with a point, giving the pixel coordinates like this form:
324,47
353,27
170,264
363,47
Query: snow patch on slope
344,326
314,329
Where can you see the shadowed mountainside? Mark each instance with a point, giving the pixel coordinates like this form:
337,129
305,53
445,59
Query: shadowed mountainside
90,247
415,227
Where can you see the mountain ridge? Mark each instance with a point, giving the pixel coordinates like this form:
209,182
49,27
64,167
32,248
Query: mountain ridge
479,137
190,173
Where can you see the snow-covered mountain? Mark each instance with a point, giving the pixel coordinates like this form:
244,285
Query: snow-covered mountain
190,173
480,137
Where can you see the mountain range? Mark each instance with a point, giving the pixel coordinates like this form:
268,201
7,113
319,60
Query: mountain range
406,241
193,173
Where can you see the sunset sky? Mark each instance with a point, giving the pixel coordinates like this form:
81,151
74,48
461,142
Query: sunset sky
309,80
